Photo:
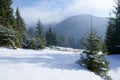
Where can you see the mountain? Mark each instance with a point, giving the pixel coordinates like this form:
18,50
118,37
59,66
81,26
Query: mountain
76,26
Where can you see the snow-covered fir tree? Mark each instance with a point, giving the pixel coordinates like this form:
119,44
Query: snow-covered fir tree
7,37
40,36
92,58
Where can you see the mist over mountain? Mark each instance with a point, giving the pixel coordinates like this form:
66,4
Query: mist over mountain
44,26
76,26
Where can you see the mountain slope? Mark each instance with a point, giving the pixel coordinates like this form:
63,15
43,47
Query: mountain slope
76,26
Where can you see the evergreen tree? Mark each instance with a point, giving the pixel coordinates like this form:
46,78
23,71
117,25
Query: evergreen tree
113,32
7,20
19,27
6,13
40,36
92,58
51,38
28,42
7,37
20,24
109,42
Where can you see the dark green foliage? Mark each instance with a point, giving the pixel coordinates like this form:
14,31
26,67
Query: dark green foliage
91,41
12,24
109,42
13,32
39,29
19,22
26,40
19,27
7,37
34,40
7,21
29,42
113,33
51,38
91,58
6,13
95,63
40,37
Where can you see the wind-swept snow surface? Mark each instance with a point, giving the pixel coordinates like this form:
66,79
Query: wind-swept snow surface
114,66
47,64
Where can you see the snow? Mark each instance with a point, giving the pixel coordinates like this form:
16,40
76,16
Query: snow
48,64
114,66
100,53
65,49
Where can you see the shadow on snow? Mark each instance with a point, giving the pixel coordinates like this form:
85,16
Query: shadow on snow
59,61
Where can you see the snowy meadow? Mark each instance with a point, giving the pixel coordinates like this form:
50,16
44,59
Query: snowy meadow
47,64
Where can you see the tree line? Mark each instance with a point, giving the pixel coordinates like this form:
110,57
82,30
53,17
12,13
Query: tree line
13,32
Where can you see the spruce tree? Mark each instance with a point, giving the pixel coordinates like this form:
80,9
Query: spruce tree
113,32
7,21
51,38
109,41
40,36
20,24
6,13
28,42
7,37
92,58
19,27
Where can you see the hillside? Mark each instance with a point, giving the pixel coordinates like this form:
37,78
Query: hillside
76,26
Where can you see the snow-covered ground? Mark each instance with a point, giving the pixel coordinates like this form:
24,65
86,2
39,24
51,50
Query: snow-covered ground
48,64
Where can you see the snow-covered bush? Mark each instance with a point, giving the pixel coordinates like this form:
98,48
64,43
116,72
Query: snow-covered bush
29,42
7,37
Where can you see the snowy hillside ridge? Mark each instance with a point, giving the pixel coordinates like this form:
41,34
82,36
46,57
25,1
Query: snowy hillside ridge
47,64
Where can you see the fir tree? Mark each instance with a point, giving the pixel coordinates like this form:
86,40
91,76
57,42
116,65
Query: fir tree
92,58
51,38
40,36
6,13
7,20
19,27
28,42
113,32
20,24
7,37
109,42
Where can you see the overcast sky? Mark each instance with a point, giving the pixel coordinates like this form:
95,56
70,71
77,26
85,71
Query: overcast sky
54,11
